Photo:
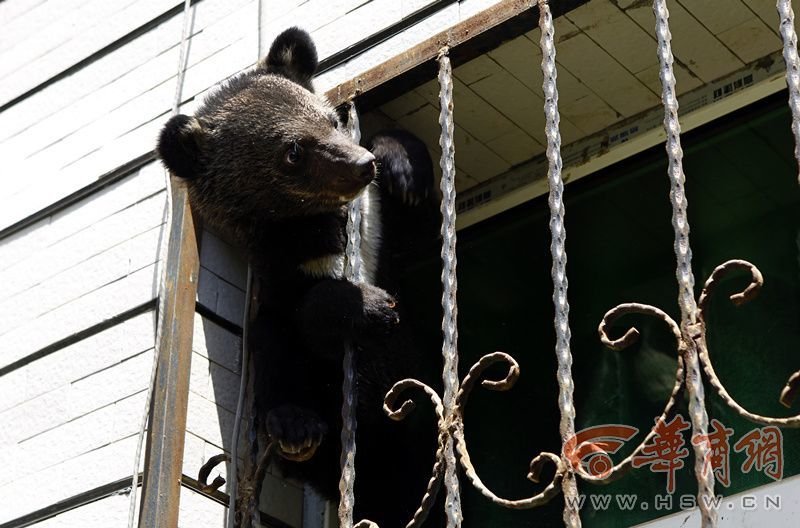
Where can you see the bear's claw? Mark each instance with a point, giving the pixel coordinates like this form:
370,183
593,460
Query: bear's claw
380,310
297,431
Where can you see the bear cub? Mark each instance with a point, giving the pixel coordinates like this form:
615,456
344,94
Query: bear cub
269,165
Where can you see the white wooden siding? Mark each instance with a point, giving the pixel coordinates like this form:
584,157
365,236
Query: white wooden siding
75,414
71,416
36,56
108,463
111,512
85,264
196,510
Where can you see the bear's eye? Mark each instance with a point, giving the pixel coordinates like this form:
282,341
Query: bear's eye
293,154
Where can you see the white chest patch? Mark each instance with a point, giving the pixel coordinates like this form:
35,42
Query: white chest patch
332,266
329,266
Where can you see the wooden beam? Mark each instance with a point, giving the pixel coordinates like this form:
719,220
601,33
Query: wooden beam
427,50
167,428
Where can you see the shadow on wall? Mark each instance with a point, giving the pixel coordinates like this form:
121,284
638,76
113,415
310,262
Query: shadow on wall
215,376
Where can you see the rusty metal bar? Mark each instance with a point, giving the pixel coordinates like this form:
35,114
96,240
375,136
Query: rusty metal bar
168,388
738,299
167,430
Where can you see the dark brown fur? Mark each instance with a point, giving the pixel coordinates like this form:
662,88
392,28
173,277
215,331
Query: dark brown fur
268,164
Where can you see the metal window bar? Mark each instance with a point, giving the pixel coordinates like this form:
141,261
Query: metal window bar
789,36
352,272
685,276
558,253
689,335
449,282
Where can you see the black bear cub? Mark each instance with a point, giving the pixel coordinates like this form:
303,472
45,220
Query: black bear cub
269,165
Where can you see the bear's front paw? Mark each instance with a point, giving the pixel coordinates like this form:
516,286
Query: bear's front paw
380,310
297,431
405,166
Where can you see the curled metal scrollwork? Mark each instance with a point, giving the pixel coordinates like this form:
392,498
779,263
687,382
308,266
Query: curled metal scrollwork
537,464
455,427
629,338
205,471
399,413
692,336
757,280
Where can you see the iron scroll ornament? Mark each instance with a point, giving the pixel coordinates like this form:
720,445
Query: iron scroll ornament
456,425
792,386
454,428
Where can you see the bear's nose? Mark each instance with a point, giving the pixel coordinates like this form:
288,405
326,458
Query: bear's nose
365,167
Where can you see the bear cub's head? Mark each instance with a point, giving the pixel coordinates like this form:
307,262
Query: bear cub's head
265,147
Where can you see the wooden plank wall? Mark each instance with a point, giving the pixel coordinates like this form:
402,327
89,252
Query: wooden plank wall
85,86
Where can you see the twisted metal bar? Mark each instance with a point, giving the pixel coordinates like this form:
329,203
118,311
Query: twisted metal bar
558,252
628,339
789,36
683,253
552,489
449,284
739,299
352,272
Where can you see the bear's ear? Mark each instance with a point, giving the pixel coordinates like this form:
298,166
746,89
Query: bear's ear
292,55
179,145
